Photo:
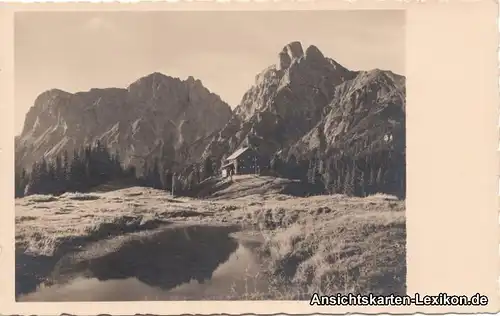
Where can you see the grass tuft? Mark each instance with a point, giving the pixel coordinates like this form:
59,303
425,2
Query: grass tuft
39,198
77,196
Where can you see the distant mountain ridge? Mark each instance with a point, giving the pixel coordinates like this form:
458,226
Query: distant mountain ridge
307,110
156,115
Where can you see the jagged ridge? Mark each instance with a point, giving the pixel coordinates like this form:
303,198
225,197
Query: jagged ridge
156,115
305,94
306,106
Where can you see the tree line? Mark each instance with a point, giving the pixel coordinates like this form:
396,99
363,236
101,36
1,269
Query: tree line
92,165
383,171
87,167
360,175
351,173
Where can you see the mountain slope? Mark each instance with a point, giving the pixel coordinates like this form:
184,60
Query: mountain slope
308,103
312,118
285,102
155,116
367,112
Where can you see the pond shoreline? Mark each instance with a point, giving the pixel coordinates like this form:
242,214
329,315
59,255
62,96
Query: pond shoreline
309,244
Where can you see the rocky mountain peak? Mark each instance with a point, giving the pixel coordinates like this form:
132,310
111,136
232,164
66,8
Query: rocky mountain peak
289,52
152,80
294,51
195,84
314,54
46,97
192,81
309,103
286,100
156,114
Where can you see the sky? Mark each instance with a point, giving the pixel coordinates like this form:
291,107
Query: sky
77,51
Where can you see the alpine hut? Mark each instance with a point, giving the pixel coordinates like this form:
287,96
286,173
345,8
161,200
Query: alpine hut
242,161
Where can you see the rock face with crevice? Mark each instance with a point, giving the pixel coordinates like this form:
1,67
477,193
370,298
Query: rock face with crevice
366,113
307,103
155,115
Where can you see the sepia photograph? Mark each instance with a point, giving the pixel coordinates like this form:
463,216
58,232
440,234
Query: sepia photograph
209,155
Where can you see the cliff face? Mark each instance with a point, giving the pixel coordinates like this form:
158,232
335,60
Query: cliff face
307,103
306,109
367,113
285,102
156,115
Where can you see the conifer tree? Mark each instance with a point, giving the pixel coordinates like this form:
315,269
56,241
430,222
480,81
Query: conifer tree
208,168
362,183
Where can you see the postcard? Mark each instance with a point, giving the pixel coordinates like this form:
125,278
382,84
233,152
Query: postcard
299,157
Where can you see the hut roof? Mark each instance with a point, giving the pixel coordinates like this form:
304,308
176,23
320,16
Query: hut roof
237,153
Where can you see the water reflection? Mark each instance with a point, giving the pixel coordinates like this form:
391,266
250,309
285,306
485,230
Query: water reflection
236,278
163,258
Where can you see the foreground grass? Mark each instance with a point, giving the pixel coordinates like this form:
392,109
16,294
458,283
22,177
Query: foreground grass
319,244
351,254
333,244
45,223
